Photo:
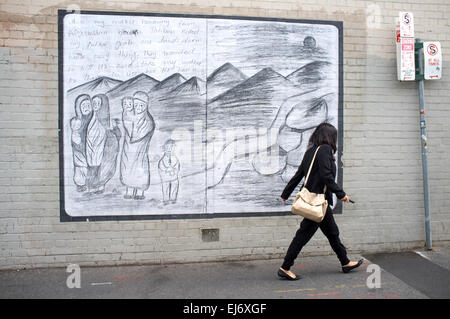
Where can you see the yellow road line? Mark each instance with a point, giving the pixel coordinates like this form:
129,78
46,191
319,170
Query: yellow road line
334,287
295,290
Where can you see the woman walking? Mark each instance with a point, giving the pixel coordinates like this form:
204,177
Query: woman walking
323,173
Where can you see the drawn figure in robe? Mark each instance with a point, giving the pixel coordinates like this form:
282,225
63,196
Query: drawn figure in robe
169,167
78,124
139,128
102,146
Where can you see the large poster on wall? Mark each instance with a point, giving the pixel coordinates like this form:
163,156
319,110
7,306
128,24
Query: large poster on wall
180,116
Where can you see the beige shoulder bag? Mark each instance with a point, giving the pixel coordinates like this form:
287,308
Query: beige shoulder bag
310,205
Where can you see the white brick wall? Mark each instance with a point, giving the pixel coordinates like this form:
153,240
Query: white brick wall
382,159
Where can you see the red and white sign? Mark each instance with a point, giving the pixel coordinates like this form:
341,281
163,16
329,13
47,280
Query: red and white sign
406,69
397,30
407,63
406,20
432,59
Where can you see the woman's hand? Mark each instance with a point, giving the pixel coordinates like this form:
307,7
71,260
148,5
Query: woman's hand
283,200
345,199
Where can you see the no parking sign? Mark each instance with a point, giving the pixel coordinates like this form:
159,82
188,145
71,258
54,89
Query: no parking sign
406,68
406,20
432,58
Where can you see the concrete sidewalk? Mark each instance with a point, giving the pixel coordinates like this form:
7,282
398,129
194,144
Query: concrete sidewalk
322,278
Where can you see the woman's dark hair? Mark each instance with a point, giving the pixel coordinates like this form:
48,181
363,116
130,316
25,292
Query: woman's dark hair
324,133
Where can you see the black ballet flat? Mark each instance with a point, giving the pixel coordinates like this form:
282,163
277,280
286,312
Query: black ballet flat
348,268
282,274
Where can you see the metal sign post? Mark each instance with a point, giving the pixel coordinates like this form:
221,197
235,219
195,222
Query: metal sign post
423,134
418,61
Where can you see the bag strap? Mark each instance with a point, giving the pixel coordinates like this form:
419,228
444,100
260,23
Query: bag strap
310,166
309,170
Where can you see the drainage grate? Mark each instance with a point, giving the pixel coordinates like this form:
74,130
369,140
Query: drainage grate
211,234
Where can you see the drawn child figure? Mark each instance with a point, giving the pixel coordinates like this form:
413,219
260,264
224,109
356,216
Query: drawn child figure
79,160
169,167
128,114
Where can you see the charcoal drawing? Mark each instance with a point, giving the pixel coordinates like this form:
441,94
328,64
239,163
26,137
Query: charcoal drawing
185,115
169,168
139,126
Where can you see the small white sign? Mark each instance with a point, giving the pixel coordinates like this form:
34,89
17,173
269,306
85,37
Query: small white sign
406,69
405,47
406,20
432,59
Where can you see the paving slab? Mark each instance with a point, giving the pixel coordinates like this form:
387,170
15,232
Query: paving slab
417,270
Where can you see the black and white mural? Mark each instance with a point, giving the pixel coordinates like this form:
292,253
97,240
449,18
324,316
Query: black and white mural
189,116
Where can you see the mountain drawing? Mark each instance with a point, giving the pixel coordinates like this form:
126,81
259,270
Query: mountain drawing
97,86
223,79
170,82
234,99
252,103
263,87
193,86
312,76
311,72
141,82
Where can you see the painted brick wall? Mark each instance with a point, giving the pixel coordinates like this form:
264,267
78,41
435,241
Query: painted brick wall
382,159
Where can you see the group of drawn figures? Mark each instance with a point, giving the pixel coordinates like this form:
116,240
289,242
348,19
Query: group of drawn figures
95,143
95,146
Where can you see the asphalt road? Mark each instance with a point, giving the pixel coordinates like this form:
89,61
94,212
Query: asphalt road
406,275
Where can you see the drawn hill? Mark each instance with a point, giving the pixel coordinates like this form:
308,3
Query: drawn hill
169,83
100,85
252,103
178,106
222,79
141,82
312,76
193,86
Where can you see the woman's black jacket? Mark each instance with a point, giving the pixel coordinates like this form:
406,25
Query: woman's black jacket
323,173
